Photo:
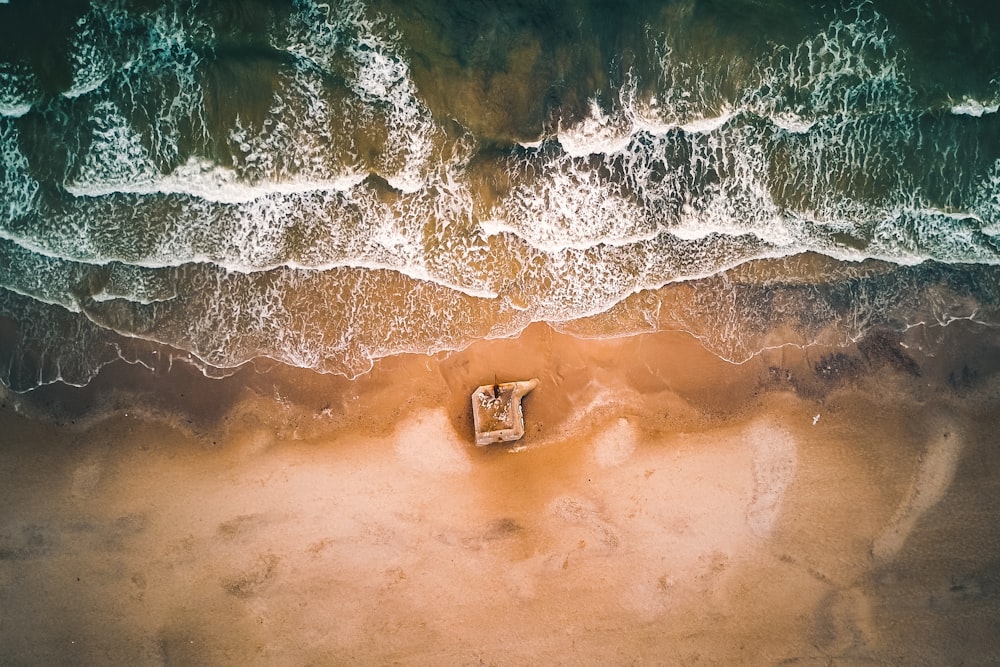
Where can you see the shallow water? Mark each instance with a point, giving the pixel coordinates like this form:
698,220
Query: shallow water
329,184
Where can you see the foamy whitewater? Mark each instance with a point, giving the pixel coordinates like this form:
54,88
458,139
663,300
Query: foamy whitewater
325,184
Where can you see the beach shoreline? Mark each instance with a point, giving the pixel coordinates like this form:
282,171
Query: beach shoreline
255,258
663,506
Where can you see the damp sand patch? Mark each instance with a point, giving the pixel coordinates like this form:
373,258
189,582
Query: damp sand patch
428,443
774,462
615,445
934,475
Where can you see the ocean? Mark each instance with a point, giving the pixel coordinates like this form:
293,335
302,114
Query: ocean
325,184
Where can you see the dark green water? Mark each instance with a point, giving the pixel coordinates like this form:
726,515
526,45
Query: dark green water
327,184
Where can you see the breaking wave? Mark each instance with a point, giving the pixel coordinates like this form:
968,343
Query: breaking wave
787,193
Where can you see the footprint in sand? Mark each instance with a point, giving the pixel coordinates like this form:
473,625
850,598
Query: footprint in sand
934,475
251,581
773,455
844,625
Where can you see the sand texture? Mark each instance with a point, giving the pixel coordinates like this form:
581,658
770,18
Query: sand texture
664,507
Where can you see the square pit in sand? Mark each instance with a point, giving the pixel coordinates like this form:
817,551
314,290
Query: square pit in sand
496,411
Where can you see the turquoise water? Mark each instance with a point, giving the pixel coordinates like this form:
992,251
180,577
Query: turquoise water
325,184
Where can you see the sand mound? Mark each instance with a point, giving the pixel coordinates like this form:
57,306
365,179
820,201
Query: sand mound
428,443
773,454
933,477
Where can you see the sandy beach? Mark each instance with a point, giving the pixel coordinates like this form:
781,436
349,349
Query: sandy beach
256,257
664,507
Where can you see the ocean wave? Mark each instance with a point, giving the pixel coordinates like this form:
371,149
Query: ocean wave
14,108
90,53
724,184
18,90
332,215
733,318
973,107
18,188
205,180
597,133
851,68
377,73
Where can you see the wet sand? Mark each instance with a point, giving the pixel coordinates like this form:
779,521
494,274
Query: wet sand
665,507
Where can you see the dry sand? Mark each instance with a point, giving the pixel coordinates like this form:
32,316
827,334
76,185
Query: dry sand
664,508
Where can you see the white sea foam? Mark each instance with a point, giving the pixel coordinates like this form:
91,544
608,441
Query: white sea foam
18,90
14,108
973,107
83,87
90,52
352,229
596,133
852,62
149,65
117,157
297,140
377,73
706,124
986,199
570,206
645,119
18,189
284,247
792,123
42,278
211,182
